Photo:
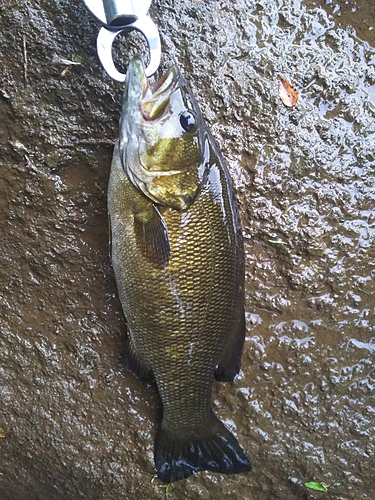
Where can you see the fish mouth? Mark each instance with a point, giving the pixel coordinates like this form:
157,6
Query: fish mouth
154,98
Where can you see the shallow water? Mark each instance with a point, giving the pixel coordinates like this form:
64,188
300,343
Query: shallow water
76,425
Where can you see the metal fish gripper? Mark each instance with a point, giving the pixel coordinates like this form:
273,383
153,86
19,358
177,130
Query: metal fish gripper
124,16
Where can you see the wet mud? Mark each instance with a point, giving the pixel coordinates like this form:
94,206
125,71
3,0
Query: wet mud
75,425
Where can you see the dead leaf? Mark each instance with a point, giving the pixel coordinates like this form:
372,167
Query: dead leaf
65,71
287,93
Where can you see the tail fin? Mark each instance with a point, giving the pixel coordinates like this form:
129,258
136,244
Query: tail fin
178,456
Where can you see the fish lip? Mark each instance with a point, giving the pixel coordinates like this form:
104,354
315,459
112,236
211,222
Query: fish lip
137,83
166,83
150,99
156,97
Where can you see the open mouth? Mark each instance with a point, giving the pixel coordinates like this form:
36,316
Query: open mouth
156,96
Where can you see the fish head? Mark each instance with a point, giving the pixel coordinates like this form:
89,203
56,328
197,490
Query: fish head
162,137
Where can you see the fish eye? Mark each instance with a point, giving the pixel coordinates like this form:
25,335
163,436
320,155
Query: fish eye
187,121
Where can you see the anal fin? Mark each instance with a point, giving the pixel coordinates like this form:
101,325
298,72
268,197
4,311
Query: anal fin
135,365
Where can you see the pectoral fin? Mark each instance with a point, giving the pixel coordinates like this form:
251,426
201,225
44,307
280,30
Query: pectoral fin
152,235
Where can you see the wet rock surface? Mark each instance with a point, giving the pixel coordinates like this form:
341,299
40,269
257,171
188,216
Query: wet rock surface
75,425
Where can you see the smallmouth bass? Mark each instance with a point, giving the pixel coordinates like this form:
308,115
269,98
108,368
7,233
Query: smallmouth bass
177,253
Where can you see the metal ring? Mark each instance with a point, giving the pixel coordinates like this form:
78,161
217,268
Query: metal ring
106,38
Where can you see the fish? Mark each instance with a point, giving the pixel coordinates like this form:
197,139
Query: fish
178,258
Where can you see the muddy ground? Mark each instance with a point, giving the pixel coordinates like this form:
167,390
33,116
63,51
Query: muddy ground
75,425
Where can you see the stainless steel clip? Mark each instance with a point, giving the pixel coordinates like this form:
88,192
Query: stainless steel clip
119,16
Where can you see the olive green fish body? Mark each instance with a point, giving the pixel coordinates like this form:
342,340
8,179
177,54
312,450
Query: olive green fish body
180,276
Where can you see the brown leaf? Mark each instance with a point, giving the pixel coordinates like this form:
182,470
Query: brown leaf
287,93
